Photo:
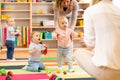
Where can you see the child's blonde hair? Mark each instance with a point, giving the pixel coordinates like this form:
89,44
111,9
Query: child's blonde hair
62,18
9,19
32,33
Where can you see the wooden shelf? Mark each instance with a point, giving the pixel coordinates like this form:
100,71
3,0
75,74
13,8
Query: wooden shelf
15,3
20,19
34,14
15,11
43,3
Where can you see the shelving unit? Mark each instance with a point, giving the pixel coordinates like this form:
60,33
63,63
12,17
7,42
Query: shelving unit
22,16
18,11
33,13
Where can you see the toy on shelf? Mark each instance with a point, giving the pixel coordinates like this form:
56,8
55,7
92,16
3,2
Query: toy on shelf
5,16
2,7
9,8
39,11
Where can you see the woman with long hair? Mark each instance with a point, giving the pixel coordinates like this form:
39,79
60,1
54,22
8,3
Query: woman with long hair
67,8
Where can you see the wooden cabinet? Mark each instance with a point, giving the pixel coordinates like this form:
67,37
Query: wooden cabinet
21,12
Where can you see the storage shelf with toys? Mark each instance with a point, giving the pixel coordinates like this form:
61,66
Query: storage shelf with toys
36,16
22,16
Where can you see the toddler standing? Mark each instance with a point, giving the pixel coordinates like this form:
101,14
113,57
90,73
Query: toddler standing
64,35
11,32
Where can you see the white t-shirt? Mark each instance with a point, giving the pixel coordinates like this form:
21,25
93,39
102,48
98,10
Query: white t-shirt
36,56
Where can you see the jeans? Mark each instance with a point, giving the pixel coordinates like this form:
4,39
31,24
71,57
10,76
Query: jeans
10,49
35,66
65,53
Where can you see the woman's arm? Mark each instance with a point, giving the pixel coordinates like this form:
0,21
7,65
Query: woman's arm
56,15
89,33
74,15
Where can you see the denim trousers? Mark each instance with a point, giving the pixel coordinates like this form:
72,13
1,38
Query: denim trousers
10,49
35,66
66,54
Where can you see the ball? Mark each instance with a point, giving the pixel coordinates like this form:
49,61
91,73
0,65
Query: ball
3,71
10,73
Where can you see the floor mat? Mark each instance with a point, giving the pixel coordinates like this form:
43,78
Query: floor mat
40,76
51,67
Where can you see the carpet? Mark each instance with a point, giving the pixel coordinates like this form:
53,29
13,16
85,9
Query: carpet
40,76
51,67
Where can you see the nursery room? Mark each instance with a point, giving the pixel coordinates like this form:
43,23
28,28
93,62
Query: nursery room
59,40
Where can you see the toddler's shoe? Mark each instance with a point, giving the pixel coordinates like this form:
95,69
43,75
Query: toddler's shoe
71,70
24,68
11,59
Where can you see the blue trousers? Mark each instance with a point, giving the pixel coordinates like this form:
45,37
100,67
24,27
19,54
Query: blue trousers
10,49
35,66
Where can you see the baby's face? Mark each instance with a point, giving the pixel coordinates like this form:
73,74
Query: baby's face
36,37
63,23
11,22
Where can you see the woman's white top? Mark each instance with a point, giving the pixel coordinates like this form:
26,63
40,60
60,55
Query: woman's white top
102,30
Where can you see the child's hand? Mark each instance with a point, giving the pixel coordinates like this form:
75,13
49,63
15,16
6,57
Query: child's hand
18,31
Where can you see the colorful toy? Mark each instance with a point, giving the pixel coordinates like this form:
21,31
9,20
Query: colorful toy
3,71
44,51
58,71
64,72
10,8
8,77
55,77
47,71
10,73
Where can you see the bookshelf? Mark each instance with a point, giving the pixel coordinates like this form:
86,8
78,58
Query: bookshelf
37,15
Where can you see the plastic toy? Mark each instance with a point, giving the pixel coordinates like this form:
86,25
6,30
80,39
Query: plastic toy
58,71
3,71
55,77
52,76
10,73
10,8
64,72
47,71
8,78
44,51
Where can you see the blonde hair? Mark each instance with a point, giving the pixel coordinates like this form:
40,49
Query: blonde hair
93,2
9,19
61,18
59,6
32,33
